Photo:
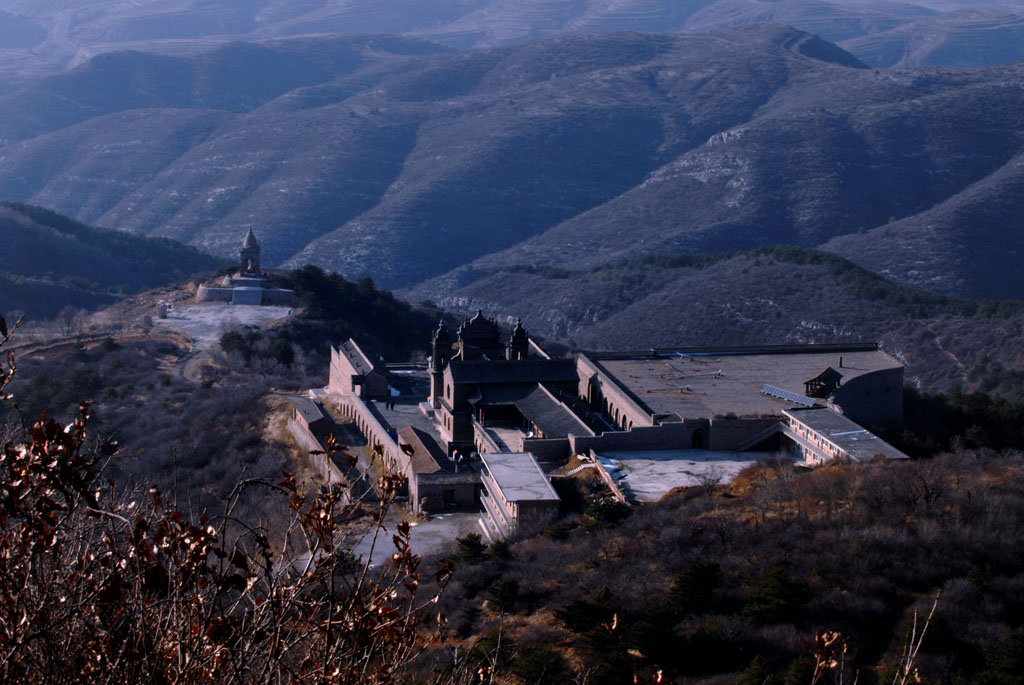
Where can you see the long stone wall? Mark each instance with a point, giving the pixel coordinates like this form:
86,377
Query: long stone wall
720,434
667,436
737,349
482,440
602,392
205,294
259,296
376,434
426,491
608,480
321,462
548,450
731,434
279,297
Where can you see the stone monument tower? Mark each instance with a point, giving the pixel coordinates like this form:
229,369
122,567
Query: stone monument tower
250,261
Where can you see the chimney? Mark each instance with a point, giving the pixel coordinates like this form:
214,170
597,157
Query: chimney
840,362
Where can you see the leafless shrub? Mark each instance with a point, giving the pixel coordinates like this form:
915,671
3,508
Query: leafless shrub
906,670
709,479
109,586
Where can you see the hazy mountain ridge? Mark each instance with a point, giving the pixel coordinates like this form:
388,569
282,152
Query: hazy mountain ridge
47,36
964,37
49,261
827,158
237,77
957,246
528,120
579,148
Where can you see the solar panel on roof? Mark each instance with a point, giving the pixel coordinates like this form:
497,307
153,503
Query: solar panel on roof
787,395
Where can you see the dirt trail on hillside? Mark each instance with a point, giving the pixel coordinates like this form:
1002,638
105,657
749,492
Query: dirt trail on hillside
204,324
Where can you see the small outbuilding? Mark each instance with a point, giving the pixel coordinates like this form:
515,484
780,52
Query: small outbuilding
824,384
517,495
310,416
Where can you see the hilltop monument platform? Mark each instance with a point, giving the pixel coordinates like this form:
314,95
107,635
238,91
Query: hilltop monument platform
251,285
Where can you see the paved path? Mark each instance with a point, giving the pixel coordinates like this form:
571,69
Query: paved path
206,323
649,475
428,537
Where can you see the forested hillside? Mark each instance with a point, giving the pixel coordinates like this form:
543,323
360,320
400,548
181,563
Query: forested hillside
49,262
757,582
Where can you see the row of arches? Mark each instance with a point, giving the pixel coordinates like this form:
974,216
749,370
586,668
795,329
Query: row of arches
616,417
377,438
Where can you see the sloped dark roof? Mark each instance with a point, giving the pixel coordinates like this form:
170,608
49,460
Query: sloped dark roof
829,375
530,371
362,362
309,410
537,405
497,395
552,417
427,456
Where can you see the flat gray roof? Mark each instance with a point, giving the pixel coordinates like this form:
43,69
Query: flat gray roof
502,371
707,385
518,476
858,442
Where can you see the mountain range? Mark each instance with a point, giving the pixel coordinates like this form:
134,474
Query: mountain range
414,163
38,37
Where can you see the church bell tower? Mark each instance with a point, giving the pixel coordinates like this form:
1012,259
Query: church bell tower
518,342
440,354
